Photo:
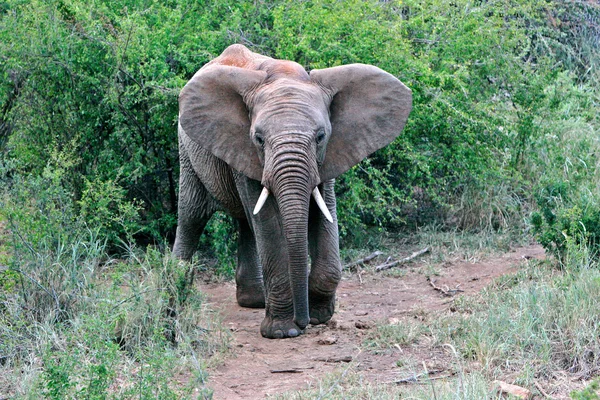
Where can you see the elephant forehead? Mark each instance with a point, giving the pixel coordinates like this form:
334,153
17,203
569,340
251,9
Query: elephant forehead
285,92
290,111
277,69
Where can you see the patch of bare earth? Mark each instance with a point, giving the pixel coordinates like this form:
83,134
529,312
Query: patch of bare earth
262,367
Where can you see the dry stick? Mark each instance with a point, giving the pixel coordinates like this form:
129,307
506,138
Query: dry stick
445,292
404,260
364,260
539,387
345,359
286,371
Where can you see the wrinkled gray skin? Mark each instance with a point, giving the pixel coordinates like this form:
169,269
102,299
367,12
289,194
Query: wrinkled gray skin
248,121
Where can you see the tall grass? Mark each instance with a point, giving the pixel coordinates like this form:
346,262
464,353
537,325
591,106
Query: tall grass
78,323
544,324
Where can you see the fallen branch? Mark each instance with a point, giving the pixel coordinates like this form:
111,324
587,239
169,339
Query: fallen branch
364,260
286,371
446,292
392,264
345,359
539,387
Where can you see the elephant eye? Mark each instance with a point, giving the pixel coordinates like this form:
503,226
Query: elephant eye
259,139
320,136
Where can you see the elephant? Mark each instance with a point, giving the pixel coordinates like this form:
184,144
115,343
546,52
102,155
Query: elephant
263,140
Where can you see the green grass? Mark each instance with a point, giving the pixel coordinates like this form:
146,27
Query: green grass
535,327
75,323
545,323
347,383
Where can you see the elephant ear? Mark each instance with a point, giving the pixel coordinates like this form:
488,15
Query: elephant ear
212,112
369,109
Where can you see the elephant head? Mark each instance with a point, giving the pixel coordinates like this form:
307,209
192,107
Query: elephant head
291,130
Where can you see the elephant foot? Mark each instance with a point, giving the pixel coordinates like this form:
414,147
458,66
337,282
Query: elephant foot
279,329
321,308
250,297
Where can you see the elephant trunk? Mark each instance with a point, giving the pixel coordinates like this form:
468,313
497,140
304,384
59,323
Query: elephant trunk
294,176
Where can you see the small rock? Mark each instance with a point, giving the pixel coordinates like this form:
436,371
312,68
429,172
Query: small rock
361,313
514,390
329,340
362,325
343,327
394,321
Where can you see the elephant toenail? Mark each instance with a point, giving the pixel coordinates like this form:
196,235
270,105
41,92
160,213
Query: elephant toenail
278,334
314,321
293,332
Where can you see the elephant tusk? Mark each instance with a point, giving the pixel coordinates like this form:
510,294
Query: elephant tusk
321,204
261,200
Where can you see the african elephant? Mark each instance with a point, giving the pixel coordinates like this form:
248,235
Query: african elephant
259,136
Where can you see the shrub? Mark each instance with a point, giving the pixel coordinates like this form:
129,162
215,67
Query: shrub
566,219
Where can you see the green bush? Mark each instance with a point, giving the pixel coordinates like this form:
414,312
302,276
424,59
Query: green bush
99,83
73,321
104,206
567,219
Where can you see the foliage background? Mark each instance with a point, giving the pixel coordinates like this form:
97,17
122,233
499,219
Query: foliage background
91,88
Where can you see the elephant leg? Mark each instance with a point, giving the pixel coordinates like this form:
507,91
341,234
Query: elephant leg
250,291
195,207
326,270
279,308
273,254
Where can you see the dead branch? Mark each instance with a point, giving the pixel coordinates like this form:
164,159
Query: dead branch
447,291
392,264
286,371
345,359
539,387
364,260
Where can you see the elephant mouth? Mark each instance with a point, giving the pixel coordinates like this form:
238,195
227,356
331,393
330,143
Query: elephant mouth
315,193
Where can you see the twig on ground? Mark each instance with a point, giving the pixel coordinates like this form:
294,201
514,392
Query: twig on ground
286,371
539,387
392,264
364,260
446,292
345,359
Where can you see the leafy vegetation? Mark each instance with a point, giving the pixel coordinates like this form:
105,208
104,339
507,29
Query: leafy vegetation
503,138
76,323
499,89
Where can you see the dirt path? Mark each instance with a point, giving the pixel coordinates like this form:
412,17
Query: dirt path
257,368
